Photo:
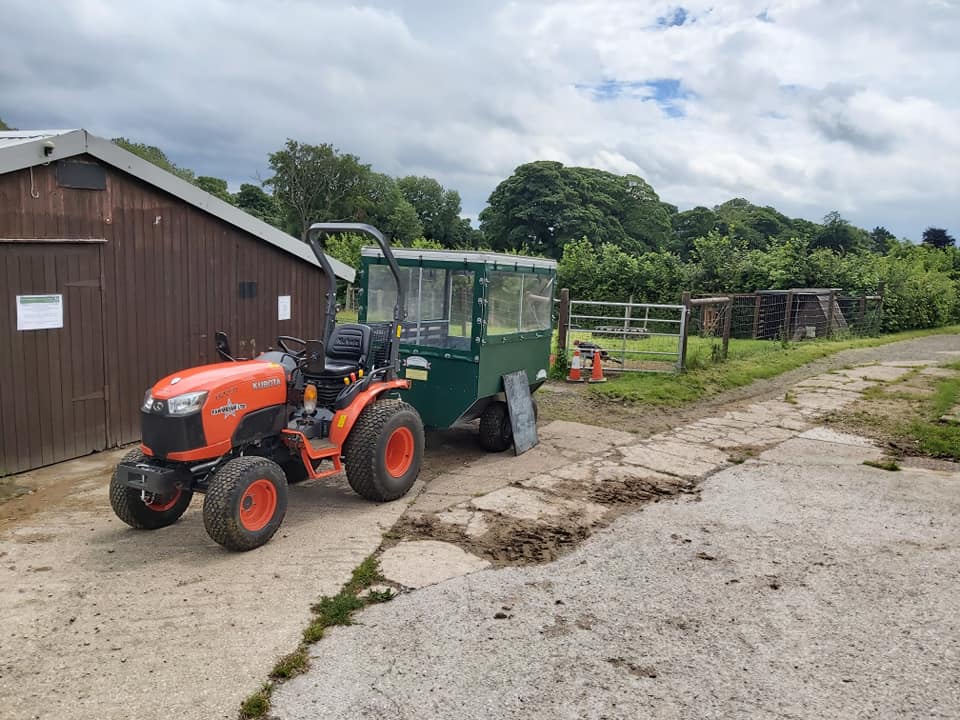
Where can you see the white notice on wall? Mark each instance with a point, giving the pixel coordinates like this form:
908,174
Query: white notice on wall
283,307
39,312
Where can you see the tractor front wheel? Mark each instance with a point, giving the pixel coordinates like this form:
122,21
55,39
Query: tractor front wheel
384,450
129,506
245,502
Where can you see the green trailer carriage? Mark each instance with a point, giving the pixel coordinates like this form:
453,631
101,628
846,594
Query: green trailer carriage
471,317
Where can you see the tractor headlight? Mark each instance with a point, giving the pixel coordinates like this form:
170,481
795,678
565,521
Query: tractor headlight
147,402
186,404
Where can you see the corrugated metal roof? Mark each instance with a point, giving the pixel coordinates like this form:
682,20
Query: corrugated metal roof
21,149
9,138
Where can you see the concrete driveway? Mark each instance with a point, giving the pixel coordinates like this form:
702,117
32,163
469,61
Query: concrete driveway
101,621
799,584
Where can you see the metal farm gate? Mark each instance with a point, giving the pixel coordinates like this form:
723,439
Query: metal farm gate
631,337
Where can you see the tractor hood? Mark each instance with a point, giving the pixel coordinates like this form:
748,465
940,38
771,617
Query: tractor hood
266,380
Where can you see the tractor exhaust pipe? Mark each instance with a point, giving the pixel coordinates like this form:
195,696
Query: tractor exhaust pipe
313,235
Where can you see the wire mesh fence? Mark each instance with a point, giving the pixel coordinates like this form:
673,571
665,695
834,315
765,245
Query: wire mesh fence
803,314
632,336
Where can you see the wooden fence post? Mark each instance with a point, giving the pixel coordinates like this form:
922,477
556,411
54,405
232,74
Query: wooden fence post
727,325
756,315
830,304
685,328
786,317
564,321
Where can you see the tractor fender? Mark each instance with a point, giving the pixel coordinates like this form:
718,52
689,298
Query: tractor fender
343,421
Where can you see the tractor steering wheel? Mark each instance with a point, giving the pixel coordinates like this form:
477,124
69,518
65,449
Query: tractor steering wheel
282,342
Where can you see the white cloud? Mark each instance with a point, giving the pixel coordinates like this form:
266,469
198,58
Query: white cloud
825,105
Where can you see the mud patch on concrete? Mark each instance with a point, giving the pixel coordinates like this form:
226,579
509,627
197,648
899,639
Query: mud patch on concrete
634,491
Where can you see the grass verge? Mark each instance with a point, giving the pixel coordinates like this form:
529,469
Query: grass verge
330,610
749,360
907,416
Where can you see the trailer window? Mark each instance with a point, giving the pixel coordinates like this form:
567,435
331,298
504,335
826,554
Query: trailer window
381,292
439,304
519,302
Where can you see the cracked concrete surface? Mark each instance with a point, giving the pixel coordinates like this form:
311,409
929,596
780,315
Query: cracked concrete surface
580,476
800,584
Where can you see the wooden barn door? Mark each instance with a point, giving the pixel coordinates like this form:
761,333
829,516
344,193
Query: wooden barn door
52,399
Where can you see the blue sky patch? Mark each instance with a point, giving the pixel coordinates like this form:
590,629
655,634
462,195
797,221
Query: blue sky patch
675,18
666,92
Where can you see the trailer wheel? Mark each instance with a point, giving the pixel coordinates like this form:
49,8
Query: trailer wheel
496,432
245,502
384,450
129,507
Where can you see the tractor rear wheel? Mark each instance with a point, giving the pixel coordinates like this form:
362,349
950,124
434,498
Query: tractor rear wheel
384,450
129,506
496,431
245,502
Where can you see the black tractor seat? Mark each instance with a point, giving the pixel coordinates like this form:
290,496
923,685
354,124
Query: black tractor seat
347,350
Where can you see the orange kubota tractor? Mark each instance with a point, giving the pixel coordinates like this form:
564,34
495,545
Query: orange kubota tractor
240,431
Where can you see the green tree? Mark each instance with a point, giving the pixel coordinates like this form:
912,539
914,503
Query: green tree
437,208
838,234
155,155
4,126
881,239
215,186
543,205
689,225
253,200
383,205
316,183
937,237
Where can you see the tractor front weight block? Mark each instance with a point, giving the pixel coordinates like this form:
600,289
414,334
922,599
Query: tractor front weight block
154,479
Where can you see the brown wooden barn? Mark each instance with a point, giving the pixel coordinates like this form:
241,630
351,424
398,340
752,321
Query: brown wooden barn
114,273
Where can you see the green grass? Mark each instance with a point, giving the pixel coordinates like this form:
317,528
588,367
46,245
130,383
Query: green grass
329,611
290,665
933,437
749,360
257,704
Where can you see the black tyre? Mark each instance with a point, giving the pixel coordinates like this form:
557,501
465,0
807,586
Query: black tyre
496,433
245,502
384,450
130,508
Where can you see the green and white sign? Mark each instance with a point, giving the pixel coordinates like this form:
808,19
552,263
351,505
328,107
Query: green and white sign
39,312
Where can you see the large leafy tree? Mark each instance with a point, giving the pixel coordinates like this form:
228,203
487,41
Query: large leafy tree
437,208
937,237
253,200
4,126
839,235
544,205
215,186
316,183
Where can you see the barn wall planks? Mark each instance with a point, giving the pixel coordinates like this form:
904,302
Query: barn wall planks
147,299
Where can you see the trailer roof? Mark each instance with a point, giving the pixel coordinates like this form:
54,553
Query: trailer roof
21,149
465,256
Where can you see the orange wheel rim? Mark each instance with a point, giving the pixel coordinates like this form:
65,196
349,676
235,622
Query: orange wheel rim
163,506
258,505
399,455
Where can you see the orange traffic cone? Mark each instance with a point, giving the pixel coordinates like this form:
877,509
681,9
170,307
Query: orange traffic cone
574,374
596,368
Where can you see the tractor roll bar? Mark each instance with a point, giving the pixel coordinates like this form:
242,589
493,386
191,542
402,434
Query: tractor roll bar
330,321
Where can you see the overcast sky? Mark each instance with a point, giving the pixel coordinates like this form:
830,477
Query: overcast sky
806,105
